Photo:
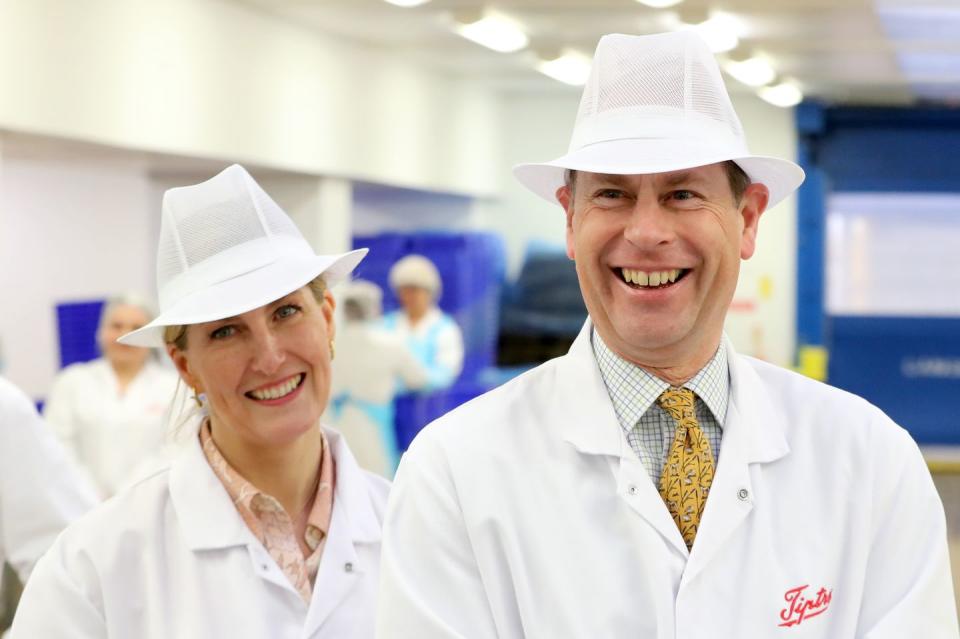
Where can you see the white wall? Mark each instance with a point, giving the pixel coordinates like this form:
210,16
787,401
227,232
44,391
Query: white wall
537,127
215,79
73,229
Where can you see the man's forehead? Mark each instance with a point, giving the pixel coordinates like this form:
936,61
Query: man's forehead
682,175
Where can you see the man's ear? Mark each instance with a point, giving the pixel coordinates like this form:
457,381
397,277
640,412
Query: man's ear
565,198
752,205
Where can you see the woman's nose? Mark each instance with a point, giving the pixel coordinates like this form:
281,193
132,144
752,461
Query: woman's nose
268,353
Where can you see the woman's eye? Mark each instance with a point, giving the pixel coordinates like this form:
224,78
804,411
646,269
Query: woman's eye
222,332
287,310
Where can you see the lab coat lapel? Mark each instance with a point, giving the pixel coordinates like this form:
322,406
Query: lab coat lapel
752,435
581,408
205,512
352,522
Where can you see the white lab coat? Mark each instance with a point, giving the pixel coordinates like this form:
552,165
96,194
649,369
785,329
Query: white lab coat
436,341
526,514
111,434
369,365
171,557
41,491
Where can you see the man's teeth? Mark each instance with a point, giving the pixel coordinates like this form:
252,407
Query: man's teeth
649,278
278,391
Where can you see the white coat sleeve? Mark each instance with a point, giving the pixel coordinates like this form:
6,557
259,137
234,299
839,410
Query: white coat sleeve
61,600
41,490
908,588
430,586
450,350
58,410
410,371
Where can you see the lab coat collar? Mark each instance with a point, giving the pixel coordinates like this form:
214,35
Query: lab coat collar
586,418
584,412
209,520
352,493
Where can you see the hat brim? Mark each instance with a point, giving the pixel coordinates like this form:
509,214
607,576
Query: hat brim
246,292
781,177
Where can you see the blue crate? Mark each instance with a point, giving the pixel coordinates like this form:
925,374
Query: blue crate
77,328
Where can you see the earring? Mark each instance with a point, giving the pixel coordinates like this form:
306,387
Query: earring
333,351
198,397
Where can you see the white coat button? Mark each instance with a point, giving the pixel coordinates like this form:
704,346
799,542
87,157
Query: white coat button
743,494
632,489
348,567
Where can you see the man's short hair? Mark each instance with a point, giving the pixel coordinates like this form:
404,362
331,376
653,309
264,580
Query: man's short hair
736,177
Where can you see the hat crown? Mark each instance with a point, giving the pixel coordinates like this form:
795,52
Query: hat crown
218,229
663,86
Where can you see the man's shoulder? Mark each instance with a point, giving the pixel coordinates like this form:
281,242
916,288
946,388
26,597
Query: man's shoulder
811,407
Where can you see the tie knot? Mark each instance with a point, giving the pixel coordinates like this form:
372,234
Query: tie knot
678,402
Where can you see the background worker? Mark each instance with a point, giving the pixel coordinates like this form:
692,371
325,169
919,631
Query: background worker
431,335
111,412
371,366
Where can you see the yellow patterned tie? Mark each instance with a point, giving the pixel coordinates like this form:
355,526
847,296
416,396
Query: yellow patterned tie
688,470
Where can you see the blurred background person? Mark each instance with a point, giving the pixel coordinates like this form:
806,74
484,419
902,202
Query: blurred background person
264,525
41,490
111,412
431,335
365,378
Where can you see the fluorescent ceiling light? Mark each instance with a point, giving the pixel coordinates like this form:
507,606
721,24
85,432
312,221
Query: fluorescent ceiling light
408,3
753,72
495,32
571,68
660,4
785,94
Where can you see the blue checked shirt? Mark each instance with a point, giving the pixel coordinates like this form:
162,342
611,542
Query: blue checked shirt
648,428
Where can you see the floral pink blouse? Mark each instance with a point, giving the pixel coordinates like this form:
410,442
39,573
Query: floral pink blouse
271,524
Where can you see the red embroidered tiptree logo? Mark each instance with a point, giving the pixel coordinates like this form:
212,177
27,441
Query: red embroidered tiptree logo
802,605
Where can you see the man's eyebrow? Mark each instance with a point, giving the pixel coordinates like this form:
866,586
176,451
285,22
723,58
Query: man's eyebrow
679,177
611,178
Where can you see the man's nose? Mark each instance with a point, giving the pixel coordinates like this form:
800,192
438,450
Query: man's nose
649,225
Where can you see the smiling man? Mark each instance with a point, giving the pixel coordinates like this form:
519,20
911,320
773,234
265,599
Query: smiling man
654,483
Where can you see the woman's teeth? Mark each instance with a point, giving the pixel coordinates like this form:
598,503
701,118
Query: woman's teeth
278,391
650,278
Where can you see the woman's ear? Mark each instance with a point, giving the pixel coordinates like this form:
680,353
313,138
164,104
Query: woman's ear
327,308
182,364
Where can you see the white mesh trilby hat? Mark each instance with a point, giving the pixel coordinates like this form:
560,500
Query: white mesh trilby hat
227,248
652,104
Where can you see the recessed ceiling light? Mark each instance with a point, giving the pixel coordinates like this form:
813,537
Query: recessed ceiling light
494,32
660,4
785,94
719,33
754,72
408,3
571,68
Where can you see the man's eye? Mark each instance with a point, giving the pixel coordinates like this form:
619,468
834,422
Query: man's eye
609,194
222,332
683,195
287,310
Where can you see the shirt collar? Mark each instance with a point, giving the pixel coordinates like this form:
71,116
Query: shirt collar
634,390
252,503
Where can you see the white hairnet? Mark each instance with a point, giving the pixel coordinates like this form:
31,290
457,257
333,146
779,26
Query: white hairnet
416,270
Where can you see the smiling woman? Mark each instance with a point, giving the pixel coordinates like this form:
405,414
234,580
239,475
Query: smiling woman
266,506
